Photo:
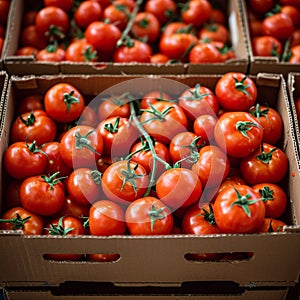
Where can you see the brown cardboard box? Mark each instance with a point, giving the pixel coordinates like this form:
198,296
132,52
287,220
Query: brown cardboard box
26,65
156,260
3,87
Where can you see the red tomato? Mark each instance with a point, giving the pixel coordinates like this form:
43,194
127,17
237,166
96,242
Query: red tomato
271,122
266,46
198,100
212,166
88,117
125,181
33,126
31,102
103,3
238,133
218,16
27,51
22,160
4,11
87,12
42,195
236,92
84,186
164,120
28,18
196,12
214,32
118,134
266,164
153,97
18,218
239,209
271,225
81,146
64,226
177,27
51,53
63,102
204,127
295,55
295,40
106,218
164,10
274,198
261,7
292,12
66,5
148,216
103,257
117,14
178,187
159,58
81,51
30,36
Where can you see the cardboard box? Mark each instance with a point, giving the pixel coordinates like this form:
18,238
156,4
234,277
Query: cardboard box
259,64
26,65
156,260
3,87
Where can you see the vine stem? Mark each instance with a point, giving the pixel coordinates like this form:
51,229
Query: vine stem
130,23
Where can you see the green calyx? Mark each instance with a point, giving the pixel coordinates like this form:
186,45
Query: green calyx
266,157
244,126
59,228
29,121
257,112
156,214
18,222
240,85
266,194
33,148
82,141
96,176
55,32
157,115
208,215
52,180
112,128
89,55
196,94
194,150
69,99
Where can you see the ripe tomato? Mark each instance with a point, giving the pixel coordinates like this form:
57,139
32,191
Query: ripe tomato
84,186
292,12
271,225
238,133
261,7
271,122
239,209
212,166
236,92
22,160
295,55
64,226
134,51
196,12
218,16
274,198
27,51
266,46
51,53
118,134
159,58
88,117
103,36
214,32
152,97
266,164
63,102
30,36
103,3
106,218
164,10
18,218
81,51
42,195
148,216
204,127
125,181
117,14
86,13
33,126
30,103
178,187
164,120
198,100
66,5
81,146
103,257
177,27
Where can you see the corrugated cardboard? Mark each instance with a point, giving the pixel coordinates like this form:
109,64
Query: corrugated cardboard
20,65
157,260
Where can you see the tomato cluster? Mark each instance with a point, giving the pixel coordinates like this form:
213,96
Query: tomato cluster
123,31
4,11
204,161
275,29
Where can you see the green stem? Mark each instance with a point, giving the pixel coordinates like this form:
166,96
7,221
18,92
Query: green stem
18,222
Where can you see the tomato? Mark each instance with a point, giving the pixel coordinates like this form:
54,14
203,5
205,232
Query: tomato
30,36
42,195
52,21
184,148
295,3
236,92
81,146
205,53
66,5
33,126
295,55
84,186
198,100
22,159
81,51
295,40
178,187
177,46
51,53
18,218
117,14
106,218
103,257
148,216
31,102
214,32
266,164
159,58
153,97
55,161
133,51
146,26
103,163
271,122
63,226
292,12
125,181
204,127
87,12
212,166
271,225
196,12
88,117
164,120
27,51
103,3
255,28
114,106
4,11
28,18
103,36
274,198
164,10
218,16
279,26
261,7
177,27
118,135
238,133
239,209
63,102
266,46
